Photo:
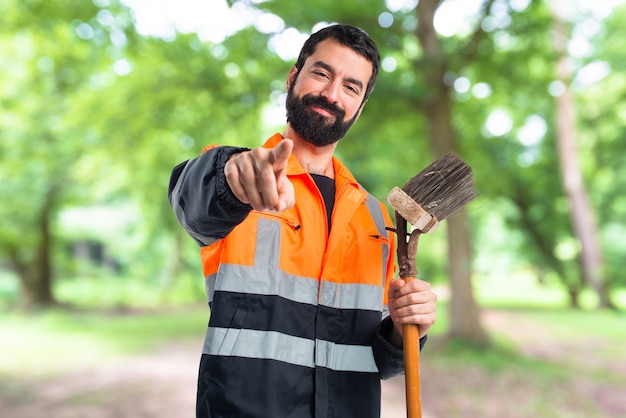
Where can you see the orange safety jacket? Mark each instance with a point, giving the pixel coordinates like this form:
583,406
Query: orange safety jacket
296,311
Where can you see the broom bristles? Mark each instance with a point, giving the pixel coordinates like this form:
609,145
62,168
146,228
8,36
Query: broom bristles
444,186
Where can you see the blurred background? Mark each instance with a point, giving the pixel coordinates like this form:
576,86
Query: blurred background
102,309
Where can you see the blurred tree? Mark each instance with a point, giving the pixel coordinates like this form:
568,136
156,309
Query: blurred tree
45,64
508,92
581,213
517,72
602,128
437,105
96,114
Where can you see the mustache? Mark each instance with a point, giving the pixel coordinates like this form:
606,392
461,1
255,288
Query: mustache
319,101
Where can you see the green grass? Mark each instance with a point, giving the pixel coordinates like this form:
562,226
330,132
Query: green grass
106,292
53,341
520,289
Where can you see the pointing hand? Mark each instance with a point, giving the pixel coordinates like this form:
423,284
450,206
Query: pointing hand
259,177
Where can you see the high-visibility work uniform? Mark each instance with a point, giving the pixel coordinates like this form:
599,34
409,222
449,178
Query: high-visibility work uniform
297,324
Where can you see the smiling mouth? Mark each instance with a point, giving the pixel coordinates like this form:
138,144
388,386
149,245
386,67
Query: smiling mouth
321,107
322,111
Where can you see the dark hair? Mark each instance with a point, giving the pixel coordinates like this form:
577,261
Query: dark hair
350,36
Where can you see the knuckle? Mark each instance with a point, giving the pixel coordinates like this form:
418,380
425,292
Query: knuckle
265,176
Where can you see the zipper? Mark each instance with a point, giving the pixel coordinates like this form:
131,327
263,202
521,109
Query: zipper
378,237
293,224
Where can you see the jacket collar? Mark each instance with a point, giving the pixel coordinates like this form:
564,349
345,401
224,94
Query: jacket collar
294,168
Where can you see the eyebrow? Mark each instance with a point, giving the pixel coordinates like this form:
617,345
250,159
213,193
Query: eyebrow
327,67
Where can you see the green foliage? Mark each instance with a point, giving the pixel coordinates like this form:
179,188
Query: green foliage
602,127
95,115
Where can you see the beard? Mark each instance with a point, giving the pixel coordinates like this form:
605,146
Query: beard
316,129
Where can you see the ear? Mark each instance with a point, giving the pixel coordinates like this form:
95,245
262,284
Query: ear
291,76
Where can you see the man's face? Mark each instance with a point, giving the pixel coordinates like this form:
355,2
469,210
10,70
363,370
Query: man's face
325,97
316,128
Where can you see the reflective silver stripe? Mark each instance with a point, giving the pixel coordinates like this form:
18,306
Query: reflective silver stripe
289,349
259,344
260,281
341,357
352,296
267,252
377,215
209,286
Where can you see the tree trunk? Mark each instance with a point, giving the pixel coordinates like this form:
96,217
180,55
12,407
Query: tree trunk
34,269
573,296
545,243
465,316
581,212
464,312
43,256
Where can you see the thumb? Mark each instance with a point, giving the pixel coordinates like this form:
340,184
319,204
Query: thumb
280,155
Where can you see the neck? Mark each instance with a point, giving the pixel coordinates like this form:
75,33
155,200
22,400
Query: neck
314,159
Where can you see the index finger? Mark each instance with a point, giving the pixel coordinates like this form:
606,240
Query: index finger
280,154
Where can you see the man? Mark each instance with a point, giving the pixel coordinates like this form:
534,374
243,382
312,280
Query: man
297,256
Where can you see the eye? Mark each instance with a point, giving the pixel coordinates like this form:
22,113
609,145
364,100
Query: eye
352,89
320,74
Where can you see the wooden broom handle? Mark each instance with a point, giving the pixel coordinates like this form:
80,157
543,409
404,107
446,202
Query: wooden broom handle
406,253
411,347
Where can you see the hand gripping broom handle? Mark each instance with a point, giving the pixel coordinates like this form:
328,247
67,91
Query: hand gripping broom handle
406,253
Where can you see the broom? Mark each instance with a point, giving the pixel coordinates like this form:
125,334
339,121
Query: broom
436,192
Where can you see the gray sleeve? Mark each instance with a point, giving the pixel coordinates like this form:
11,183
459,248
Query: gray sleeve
389,358
202,201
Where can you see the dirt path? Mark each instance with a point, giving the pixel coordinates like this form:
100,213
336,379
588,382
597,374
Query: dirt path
133,388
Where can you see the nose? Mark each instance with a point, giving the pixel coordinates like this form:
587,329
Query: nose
331,92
